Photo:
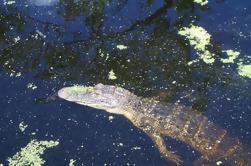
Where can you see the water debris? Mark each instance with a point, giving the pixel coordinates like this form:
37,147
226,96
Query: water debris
22,126
136,148
72,162
244,70
18,74
122,47
40,34
201,2
15,74
199,38
101,53
16,39
31,86
9,2
192,62
111,75
111,118
219,163
31,154
232,55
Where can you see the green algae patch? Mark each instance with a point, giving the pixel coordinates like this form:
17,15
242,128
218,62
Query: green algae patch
111,75
9,2
31,154
232,55
199,38
244,70
122,47
208,57
80,88
201,2
72,162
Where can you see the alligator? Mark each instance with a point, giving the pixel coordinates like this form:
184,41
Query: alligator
159,119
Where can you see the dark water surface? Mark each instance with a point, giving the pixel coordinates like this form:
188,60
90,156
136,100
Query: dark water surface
46,45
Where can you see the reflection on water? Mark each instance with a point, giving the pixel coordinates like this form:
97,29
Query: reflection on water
69,42
43,2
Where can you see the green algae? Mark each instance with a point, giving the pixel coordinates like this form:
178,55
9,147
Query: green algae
232,55
208,57
244,70
201,2
31,154
72,162
121,47
111,75
9,2
199,38
78,88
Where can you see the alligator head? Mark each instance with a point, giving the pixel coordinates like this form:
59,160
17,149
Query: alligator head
105,97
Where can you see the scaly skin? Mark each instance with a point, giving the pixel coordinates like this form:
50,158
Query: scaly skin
158,119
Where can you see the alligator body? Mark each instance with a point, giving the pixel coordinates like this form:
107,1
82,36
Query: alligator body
158,119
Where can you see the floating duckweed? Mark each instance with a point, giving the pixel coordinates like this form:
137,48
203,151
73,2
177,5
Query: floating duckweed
31,154
244,70
199,38
121,47
22,126
201,2
9,2
208,57
78,88
72,162
111,75
232,55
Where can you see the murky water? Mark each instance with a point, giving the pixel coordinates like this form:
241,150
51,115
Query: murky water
48,44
